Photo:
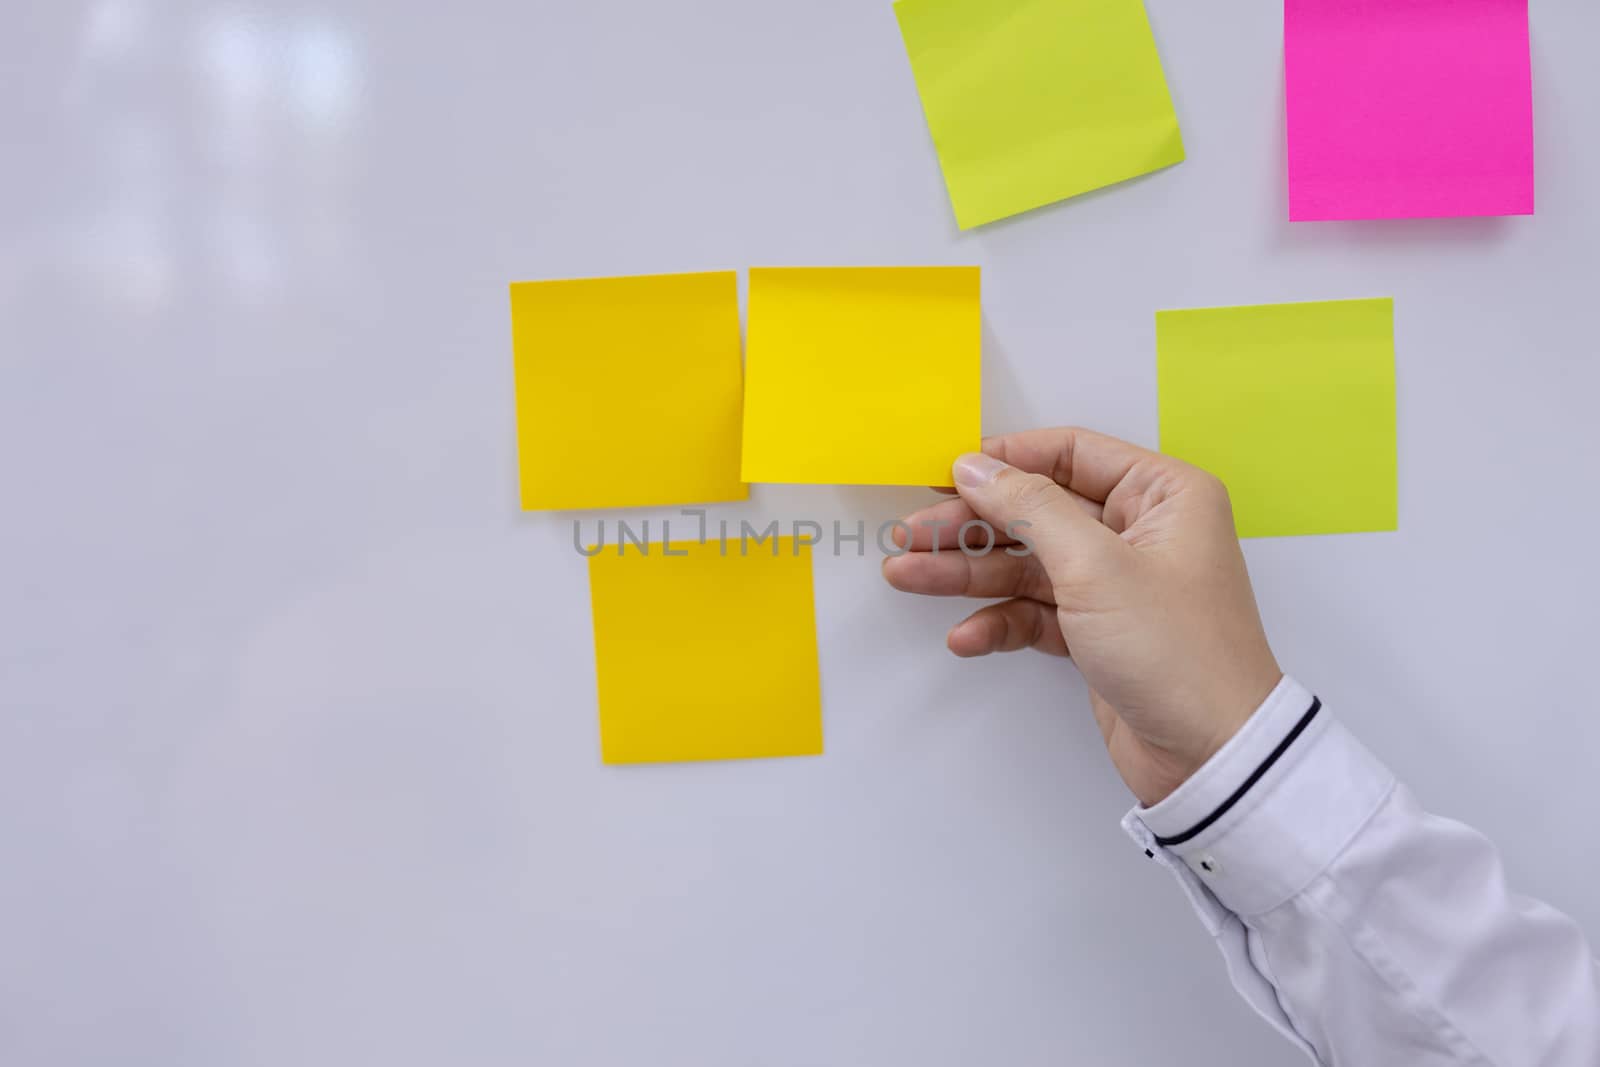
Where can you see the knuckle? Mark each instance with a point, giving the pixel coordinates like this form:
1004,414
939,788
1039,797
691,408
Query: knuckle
1213,494
1216,490
1031,580
1187,478
1036,631
1032,493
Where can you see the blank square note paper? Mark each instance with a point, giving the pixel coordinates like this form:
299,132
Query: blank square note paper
706,655
862,375
1408,108
628,390
1291,405
1033,101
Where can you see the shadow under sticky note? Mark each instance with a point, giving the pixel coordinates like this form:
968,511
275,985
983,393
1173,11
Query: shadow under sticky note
1405,110
862,375
708,653
628,390
1033,101
1291,405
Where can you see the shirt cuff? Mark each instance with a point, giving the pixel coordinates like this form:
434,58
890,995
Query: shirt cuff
1273,808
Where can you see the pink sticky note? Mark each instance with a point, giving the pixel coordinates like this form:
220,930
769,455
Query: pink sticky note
1408,108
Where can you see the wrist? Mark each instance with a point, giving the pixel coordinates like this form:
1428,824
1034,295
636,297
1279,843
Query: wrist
1224,715
1235,708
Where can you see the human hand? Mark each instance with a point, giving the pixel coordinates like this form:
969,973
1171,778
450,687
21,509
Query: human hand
1134,571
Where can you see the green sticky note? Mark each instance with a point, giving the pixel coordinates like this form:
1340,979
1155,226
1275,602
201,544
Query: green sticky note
1291,405
1033,101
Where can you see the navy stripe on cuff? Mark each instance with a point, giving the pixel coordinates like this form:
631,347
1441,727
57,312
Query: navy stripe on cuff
1255,776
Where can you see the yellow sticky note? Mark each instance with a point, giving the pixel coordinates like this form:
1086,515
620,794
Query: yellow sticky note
708,653
628,390
1291,405
862,375
1033,101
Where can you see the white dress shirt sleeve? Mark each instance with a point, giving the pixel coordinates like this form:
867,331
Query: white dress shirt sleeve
1367,931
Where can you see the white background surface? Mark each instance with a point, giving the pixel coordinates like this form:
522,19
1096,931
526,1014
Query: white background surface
298,755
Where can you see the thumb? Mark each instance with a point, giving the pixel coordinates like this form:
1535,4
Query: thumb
1036,511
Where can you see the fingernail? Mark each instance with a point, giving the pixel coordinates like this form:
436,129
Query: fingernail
975,469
